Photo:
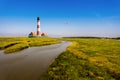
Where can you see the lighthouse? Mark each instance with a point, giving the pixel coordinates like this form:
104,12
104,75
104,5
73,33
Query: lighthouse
39,33
38,26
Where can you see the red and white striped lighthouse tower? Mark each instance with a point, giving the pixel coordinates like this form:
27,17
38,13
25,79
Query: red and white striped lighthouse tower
38,26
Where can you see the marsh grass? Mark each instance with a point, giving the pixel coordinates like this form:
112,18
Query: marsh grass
87,59
14,44
16,47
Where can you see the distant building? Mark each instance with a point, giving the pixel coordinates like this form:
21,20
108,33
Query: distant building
43,34
32,34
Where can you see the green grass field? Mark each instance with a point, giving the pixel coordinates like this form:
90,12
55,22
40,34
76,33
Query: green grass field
87,59
84,59
14,44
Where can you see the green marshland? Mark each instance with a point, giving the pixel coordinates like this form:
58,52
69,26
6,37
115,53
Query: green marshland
87,59
14,44
84,59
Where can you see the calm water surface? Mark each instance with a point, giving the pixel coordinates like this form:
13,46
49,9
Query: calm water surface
30,63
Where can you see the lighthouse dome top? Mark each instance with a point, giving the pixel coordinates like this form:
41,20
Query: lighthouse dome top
38,18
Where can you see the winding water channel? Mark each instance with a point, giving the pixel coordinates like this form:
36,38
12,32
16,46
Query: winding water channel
30,63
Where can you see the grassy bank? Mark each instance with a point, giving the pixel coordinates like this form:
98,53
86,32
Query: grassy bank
13,44
87,59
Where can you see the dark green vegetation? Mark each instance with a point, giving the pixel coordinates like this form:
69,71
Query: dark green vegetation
87,59
13,44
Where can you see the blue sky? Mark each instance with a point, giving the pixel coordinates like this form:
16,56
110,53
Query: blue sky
61,17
